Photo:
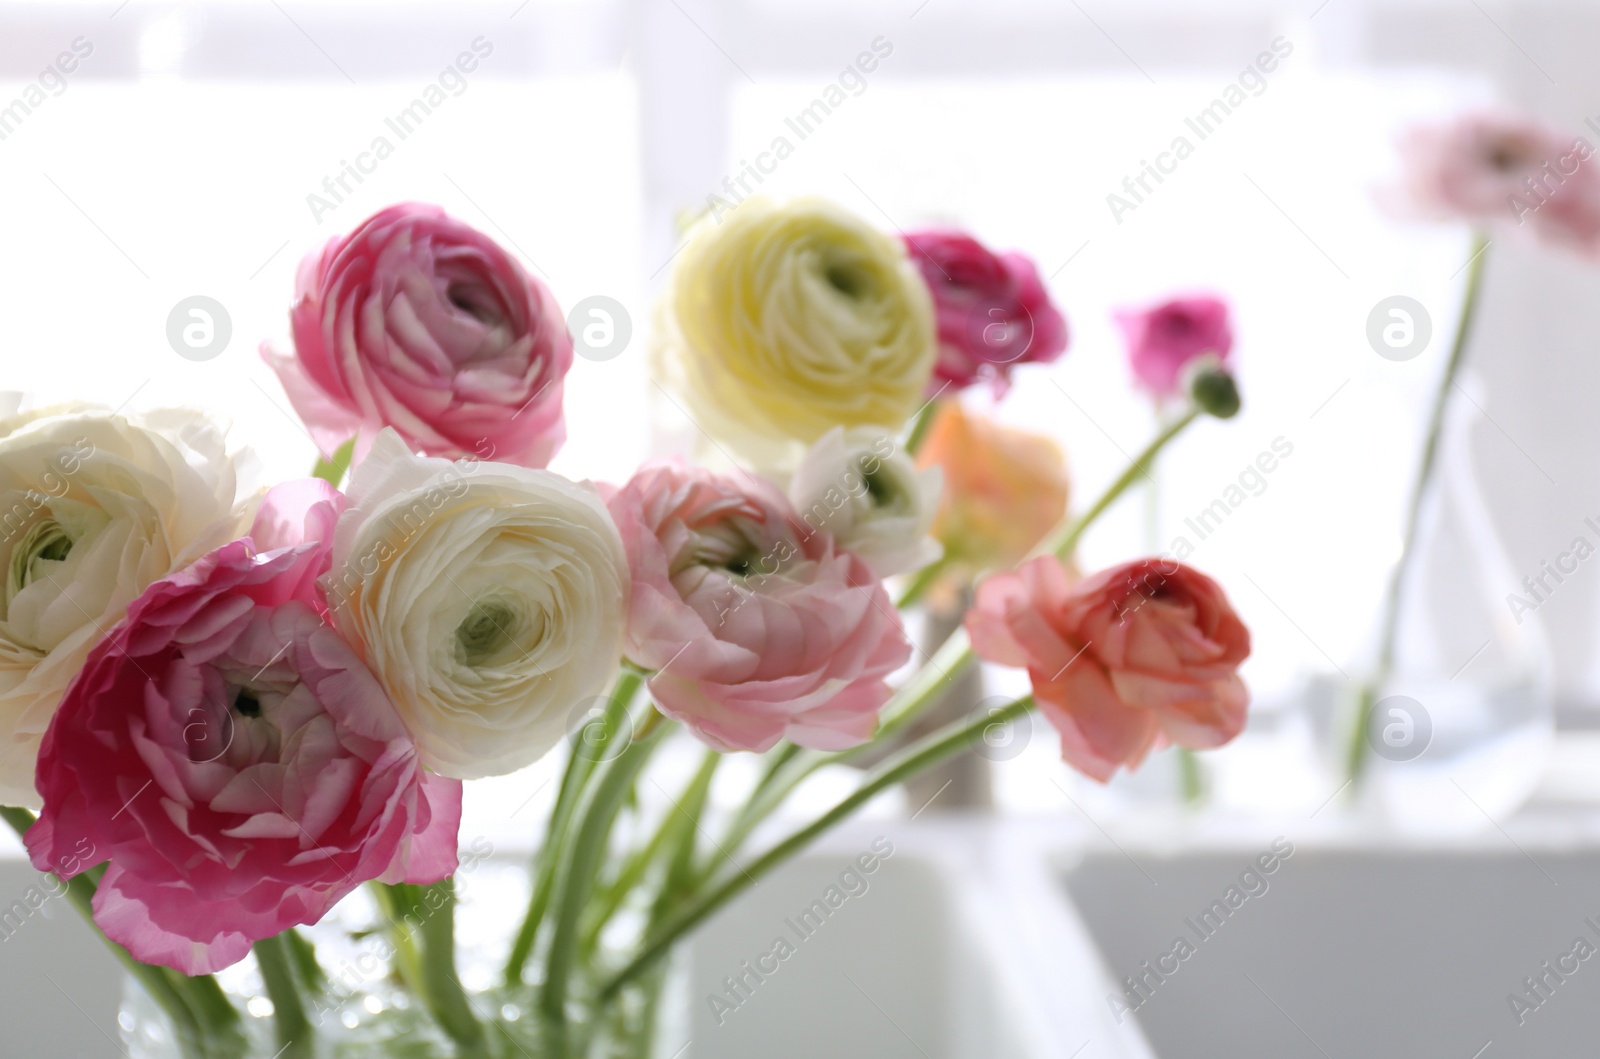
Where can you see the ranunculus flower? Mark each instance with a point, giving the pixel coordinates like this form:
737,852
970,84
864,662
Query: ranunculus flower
1500,168
1164,338
758,628
1121,662
861,488
1004,489
783,321
93,508
993,310
232,758
419,322
488,599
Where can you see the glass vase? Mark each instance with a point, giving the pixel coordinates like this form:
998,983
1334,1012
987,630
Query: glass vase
366,1011
1455,732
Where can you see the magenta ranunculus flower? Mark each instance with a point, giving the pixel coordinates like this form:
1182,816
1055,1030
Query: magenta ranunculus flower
993,310
759,628
1496,168
419,322
231,757
1164,338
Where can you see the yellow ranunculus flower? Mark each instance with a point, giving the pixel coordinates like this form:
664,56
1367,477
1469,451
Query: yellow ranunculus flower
783,321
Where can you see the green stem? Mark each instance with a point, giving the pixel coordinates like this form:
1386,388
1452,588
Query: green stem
1189,779
1426,468
447,997
673,835
912,760
274,959
615,780
920,426
921,581
304,955
395,902
1067,543
681,867
580,764
332,471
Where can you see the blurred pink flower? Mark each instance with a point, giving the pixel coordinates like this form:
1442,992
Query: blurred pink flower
1164,338
993,311
418,322
1499,168
759,628
232,759
1121,662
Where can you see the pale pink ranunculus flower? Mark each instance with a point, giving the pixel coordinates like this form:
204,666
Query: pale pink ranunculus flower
993,310
1121,662
759,628
1163,339
419,322
1501,169
232,759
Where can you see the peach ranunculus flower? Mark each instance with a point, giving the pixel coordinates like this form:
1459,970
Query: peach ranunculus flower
1004,489
758,627
1122,662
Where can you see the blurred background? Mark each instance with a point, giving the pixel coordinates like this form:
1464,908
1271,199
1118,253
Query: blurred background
203,149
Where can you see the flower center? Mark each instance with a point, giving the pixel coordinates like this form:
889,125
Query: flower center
475,302
848,278
46,541
246,704
486,632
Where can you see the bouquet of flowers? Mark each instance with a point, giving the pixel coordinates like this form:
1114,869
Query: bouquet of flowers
232,714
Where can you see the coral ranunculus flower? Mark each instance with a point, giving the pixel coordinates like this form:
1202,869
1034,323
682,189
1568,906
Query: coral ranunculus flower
1121,662
232,759
1004,489
759,627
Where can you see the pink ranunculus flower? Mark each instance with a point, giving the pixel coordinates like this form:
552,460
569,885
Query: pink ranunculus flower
993,310
759,628
1501,168
1164,338
1121,662
419,322
232,759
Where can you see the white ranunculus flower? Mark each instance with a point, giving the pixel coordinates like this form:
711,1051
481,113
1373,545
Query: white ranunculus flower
489,600
93,508
860,486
